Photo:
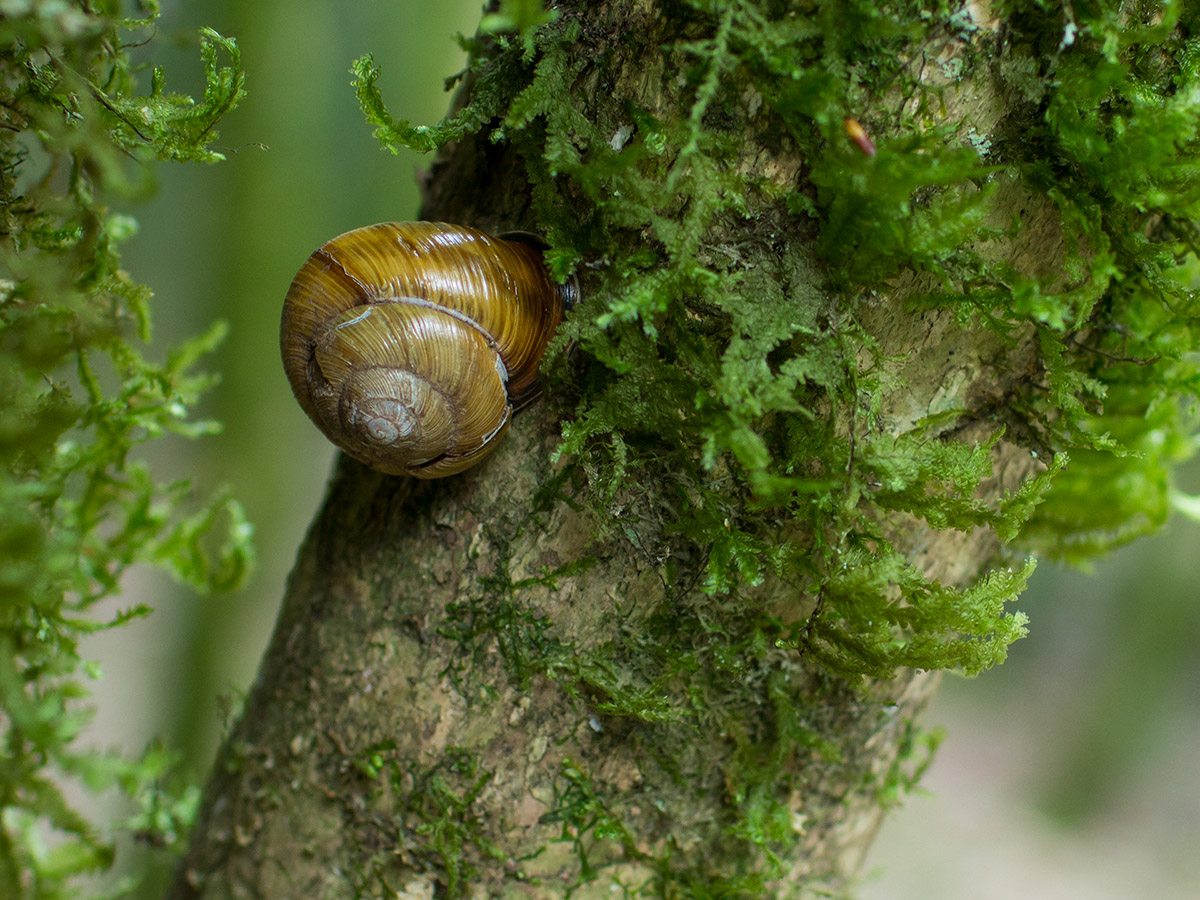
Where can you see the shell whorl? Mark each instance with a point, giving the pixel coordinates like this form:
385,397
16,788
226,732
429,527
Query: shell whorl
408,344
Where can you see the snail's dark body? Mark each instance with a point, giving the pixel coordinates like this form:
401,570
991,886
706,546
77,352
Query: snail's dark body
409,344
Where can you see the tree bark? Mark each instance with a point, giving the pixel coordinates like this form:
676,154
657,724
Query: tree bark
400,739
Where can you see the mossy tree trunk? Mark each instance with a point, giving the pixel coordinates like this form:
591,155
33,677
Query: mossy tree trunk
659,662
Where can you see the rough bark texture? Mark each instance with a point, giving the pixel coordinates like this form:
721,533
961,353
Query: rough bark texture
385,752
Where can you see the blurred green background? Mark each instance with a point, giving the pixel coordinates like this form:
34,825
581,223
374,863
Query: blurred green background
1071,771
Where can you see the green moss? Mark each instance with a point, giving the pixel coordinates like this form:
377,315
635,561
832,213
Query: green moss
917,748
737,381
529,646
443,798
436,812
586,820
77,505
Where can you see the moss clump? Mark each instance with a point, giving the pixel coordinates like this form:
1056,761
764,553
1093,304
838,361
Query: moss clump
436,809
770,407
727,364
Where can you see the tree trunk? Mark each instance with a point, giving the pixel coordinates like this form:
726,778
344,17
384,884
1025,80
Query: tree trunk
454,700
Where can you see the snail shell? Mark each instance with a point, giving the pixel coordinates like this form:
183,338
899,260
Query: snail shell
410,344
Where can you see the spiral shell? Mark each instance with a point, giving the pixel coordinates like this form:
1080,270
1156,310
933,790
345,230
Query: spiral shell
409,344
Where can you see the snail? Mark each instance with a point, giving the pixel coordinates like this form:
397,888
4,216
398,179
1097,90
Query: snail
410,344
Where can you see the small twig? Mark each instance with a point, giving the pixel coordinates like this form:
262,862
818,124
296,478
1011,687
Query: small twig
1125,359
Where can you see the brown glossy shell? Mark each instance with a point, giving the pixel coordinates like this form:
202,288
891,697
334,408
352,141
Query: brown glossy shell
409,343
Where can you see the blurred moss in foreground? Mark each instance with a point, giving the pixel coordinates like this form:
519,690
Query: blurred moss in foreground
76,508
